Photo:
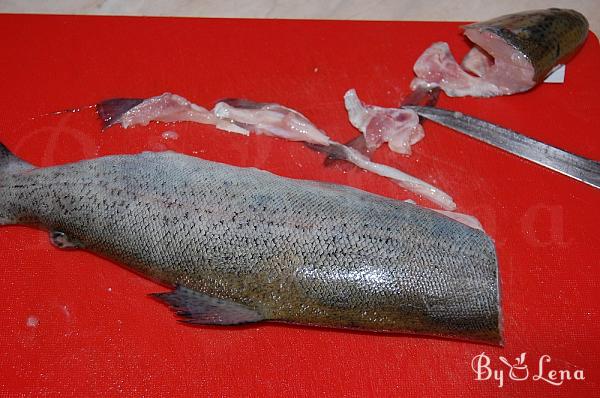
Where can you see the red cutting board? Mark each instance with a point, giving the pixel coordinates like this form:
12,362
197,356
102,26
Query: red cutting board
94,332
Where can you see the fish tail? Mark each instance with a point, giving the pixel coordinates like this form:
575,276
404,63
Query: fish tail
9,165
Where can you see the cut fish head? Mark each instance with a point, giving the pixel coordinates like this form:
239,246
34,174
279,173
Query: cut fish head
537,39
513,53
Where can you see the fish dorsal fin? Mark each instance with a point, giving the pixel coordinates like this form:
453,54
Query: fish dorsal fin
202,309
9,163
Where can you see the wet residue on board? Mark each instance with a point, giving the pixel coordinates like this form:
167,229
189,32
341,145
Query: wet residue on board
170,135
32,321
65,311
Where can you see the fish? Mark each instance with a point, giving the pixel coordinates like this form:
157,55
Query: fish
511,54
243,116
240,245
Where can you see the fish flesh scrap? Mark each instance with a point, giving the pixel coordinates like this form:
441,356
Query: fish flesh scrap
339,151
239,245
166,108
259,117
270,119
437,67
512,54
243,116
466,219
400,128
421,97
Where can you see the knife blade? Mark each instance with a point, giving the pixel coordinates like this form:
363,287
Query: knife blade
569,164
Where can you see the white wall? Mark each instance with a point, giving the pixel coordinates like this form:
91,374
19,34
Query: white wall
448,10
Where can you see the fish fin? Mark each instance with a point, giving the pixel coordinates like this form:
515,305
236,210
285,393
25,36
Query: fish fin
422,96
337,154
110,111
201,309
62,241
334,151
9,164
359,144
243,103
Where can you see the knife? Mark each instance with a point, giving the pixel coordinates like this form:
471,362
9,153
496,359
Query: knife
571,165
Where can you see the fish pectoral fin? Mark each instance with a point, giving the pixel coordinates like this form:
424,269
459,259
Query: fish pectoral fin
202,309
62,241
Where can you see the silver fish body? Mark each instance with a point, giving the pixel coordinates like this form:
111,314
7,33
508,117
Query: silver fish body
243,245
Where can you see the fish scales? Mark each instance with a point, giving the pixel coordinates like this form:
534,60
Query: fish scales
241,244
545,37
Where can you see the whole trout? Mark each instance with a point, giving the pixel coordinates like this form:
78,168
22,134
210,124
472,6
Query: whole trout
243,245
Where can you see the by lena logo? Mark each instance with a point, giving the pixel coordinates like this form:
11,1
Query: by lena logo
520,371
